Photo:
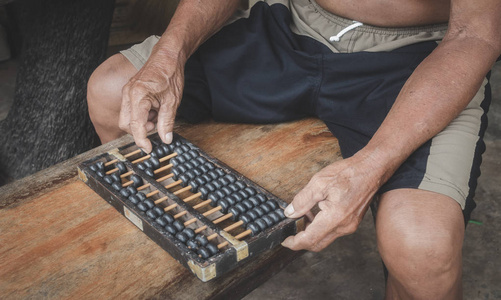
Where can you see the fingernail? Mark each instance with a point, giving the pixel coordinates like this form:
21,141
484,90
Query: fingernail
144,151
289,210
168,137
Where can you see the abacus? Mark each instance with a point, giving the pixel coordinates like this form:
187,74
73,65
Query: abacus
206,215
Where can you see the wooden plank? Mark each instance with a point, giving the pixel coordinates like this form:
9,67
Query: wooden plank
61,240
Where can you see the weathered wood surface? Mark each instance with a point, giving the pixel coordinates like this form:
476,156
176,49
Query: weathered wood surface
58,239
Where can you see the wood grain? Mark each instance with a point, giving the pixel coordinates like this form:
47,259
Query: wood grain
58,239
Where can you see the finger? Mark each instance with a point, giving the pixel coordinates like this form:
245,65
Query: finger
303,202
139,118
125,111
315,237
166,117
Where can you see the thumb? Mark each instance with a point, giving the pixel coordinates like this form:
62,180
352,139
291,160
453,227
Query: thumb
165,125
303,202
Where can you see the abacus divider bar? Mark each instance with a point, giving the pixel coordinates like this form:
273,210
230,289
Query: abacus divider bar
233,226
168,157
162,168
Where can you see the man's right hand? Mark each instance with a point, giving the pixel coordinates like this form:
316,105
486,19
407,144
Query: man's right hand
152,96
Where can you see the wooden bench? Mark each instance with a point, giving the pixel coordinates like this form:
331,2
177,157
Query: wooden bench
58,239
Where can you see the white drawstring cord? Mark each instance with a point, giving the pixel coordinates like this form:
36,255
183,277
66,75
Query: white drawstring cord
335,38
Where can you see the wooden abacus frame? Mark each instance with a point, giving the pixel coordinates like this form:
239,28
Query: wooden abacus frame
233,250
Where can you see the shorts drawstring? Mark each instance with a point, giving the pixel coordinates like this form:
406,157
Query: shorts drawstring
335,38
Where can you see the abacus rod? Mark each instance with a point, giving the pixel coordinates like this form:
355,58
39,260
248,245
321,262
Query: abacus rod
201,204
174,154
126,156
162,168
209,212
221,219
243,234
160,200
233,226
200,229
187,188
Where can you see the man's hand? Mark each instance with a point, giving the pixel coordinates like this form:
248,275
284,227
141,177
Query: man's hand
343,191
152,95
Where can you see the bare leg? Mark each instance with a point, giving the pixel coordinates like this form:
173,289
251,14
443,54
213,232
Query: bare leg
104,95
420,236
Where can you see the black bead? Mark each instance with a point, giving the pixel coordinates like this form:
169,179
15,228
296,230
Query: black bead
262,224
200,180
189,233
155,162
116,177
141,196
195,163
213,174
231,200
153,154
93,168
261,197
206,177
161,221
121,167
241,208
167,218
174,161
148,164
259,211
179,226
226,190
117,185
100,165
280,212
178,150
100,173
253,200
210,165
194,153
212,249
187,156
266,208
217,184
108,179
160,151
185,148
254,228
141,166
132,190
197,172
149,203
201,239
268,220
171,229
250,190
180,160
223,181
181,237
124,192
238,197
158,210
246,218
134,199
204,191
142,206
210,186
192,244
149,172
220,172
252,214
137,180
165,148
235,213
273,204
152,214
233,187
214,196
203,252
230,177
248,203
202,160
224,205
275,217
184,179
220,193
194,186
188,165
240,184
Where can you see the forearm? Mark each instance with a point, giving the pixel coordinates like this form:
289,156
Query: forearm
193,23
438,90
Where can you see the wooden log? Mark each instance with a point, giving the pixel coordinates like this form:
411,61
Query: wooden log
58,239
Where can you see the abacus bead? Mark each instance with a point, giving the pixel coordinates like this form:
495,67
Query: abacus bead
137,180
261,197
273,204
191,173
134,199
100,173
212,249
254,228
155,162
230,177
259,211
185,148
214,196
153,154
194,153
202,239
194,186
200,180
235,213
132,190
231,200
233,187
115,177
180,159
195,163
204,168
237,197
117,185
100,165
246,218
121,167
220,193
197,172
174,161
188,165
181,237
141,166
202,160
265,207
213,174
217,184
125,192
250,190
210,186
275,217
244,194
192,244
224,205
149,203
268,220
226,190
207,178
241,208
141,196
160,151
252,214
184,179
240,184
152,214
248,204
158,210
204,191
262,224
280,212
142,206
210,165
165,148
167,218
160,221
93,168
108,179
187,156
179,226
223,181
178,150
220,172
149,172
253,200
148,164
170,229
189,232
204,253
